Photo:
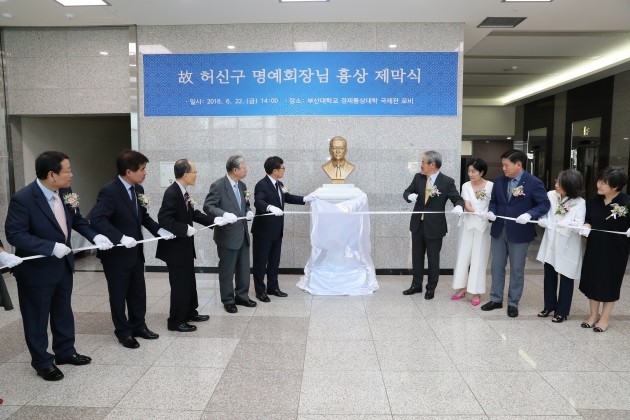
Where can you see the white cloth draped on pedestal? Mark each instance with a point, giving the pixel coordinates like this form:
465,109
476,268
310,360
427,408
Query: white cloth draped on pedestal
340,261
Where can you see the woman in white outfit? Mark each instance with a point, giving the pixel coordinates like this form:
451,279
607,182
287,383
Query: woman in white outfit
561,249
473,247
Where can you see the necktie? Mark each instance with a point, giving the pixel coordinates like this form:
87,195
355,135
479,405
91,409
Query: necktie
132,196
511,186
187,198
279,193
338,172
237,193
60,214
427,194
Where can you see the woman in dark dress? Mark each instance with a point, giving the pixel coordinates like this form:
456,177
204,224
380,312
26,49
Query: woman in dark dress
606,253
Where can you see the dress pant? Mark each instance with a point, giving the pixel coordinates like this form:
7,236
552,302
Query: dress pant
5,298
234,264
184,300
558,301
127,288
517,252
266,254
37,304
432,247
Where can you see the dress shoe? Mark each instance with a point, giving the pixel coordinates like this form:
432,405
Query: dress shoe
412,290
429,294
199,318
76,359
183,327
230,308
277,292
545,313
249,303
490,306
147,334
559,318
458,296
512,311
51,373
263,297
129,342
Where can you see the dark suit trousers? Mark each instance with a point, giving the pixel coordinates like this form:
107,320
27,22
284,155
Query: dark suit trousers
266,254
234,264
39,302
432,247
183,293
5,298
126,288
560,302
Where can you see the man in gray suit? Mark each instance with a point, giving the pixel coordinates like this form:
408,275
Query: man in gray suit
228,198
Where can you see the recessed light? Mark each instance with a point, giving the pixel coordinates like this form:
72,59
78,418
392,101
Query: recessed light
392,46
526,1
70,3
104,53
301,1
7,15
231,47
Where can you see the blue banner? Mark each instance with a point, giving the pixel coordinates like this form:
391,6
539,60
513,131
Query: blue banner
301,83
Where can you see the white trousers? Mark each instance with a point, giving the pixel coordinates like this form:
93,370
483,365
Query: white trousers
473,251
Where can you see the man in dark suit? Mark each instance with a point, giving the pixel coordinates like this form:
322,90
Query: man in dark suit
430,190
40,221
6,260
516,194
119,213
228,197
270,195
177,215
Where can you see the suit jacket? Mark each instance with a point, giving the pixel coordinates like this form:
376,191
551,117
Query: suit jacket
115,215
265,194
176,215
534,201
31,227
220,200
434,224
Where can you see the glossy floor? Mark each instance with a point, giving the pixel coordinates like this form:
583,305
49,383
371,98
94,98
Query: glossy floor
384,356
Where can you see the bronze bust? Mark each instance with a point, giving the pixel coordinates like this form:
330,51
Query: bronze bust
338,168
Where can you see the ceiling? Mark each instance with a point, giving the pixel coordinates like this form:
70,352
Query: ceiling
561,44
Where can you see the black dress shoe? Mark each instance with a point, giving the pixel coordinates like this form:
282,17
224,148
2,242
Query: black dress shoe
183,327
249,303
199,318
559,318
230,308
129,342
512,311
51,373
277,292
429,294
491,306
263,297
544,313
76,359
147,334
412,290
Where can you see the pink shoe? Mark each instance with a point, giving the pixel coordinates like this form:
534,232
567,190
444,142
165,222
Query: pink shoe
458,297
475,302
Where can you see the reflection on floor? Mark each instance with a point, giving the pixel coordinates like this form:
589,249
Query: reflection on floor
385,356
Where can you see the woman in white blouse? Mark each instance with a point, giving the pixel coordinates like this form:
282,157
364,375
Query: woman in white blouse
562,249
473,248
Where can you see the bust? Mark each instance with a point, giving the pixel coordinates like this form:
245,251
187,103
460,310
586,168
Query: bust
338,168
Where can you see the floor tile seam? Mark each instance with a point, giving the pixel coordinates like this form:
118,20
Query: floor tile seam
299,402
574,407
147,369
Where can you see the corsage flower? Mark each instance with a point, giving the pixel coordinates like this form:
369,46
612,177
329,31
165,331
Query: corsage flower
284,189
434,192
191,202
247,195
71,200
617,211
481,195
143,200
563,208
518,191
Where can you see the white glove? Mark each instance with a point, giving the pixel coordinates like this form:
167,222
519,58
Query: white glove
564,223
543,223
458,210
523,218
191,231
310,197
275,210
165,234
220,221
103,243
490,216
61,250
9,260
250,216
585,231
230,217
128,241
627,234
412,197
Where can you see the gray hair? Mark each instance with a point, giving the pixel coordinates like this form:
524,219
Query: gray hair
434,157
234,162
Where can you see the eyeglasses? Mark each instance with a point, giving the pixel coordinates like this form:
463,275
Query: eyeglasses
192,172
282,167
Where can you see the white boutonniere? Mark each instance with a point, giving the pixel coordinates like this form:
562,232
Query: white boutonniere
563,208
434,192
247,195
284,189
481,195
617,211
191,201
518,191
143,200
71,200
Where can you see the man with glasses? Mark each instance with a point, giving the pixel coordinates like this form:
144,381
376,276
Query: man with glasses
270,196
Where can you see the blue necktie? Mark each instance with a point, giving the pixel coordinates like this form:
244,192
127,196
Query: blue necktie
238,195
511,186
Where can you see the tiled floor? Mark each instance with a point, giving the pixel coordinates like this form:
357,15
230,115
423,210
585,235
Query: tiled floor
384,356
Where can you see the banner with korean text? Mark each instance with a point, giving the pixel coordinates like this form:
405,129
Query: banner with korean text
301,83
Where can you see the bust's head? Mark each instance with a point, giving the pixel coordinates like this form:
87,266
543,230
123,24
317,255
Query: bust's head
338,148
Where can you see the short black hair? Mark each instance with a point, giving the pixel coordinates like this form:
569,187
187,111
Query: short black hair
49,161
478,164
130,159
273,162
614,176
233,162
514,156
181,168
571,182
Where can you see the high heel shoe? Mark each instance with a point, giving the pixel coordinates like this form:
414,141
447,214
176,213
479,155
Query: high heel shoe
458,296
475,302
559,318
544,313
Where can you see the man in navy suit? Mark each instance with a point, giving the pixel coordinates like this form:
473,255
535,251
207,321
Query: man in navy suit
120,213
430,190
40,221
270,195
520,195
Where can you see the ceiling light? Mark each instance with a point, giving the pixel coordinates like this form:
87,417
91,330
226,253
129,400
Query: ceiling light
7,15
392,46
104,53
501,22
301,1
525,1
230,47
68,3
